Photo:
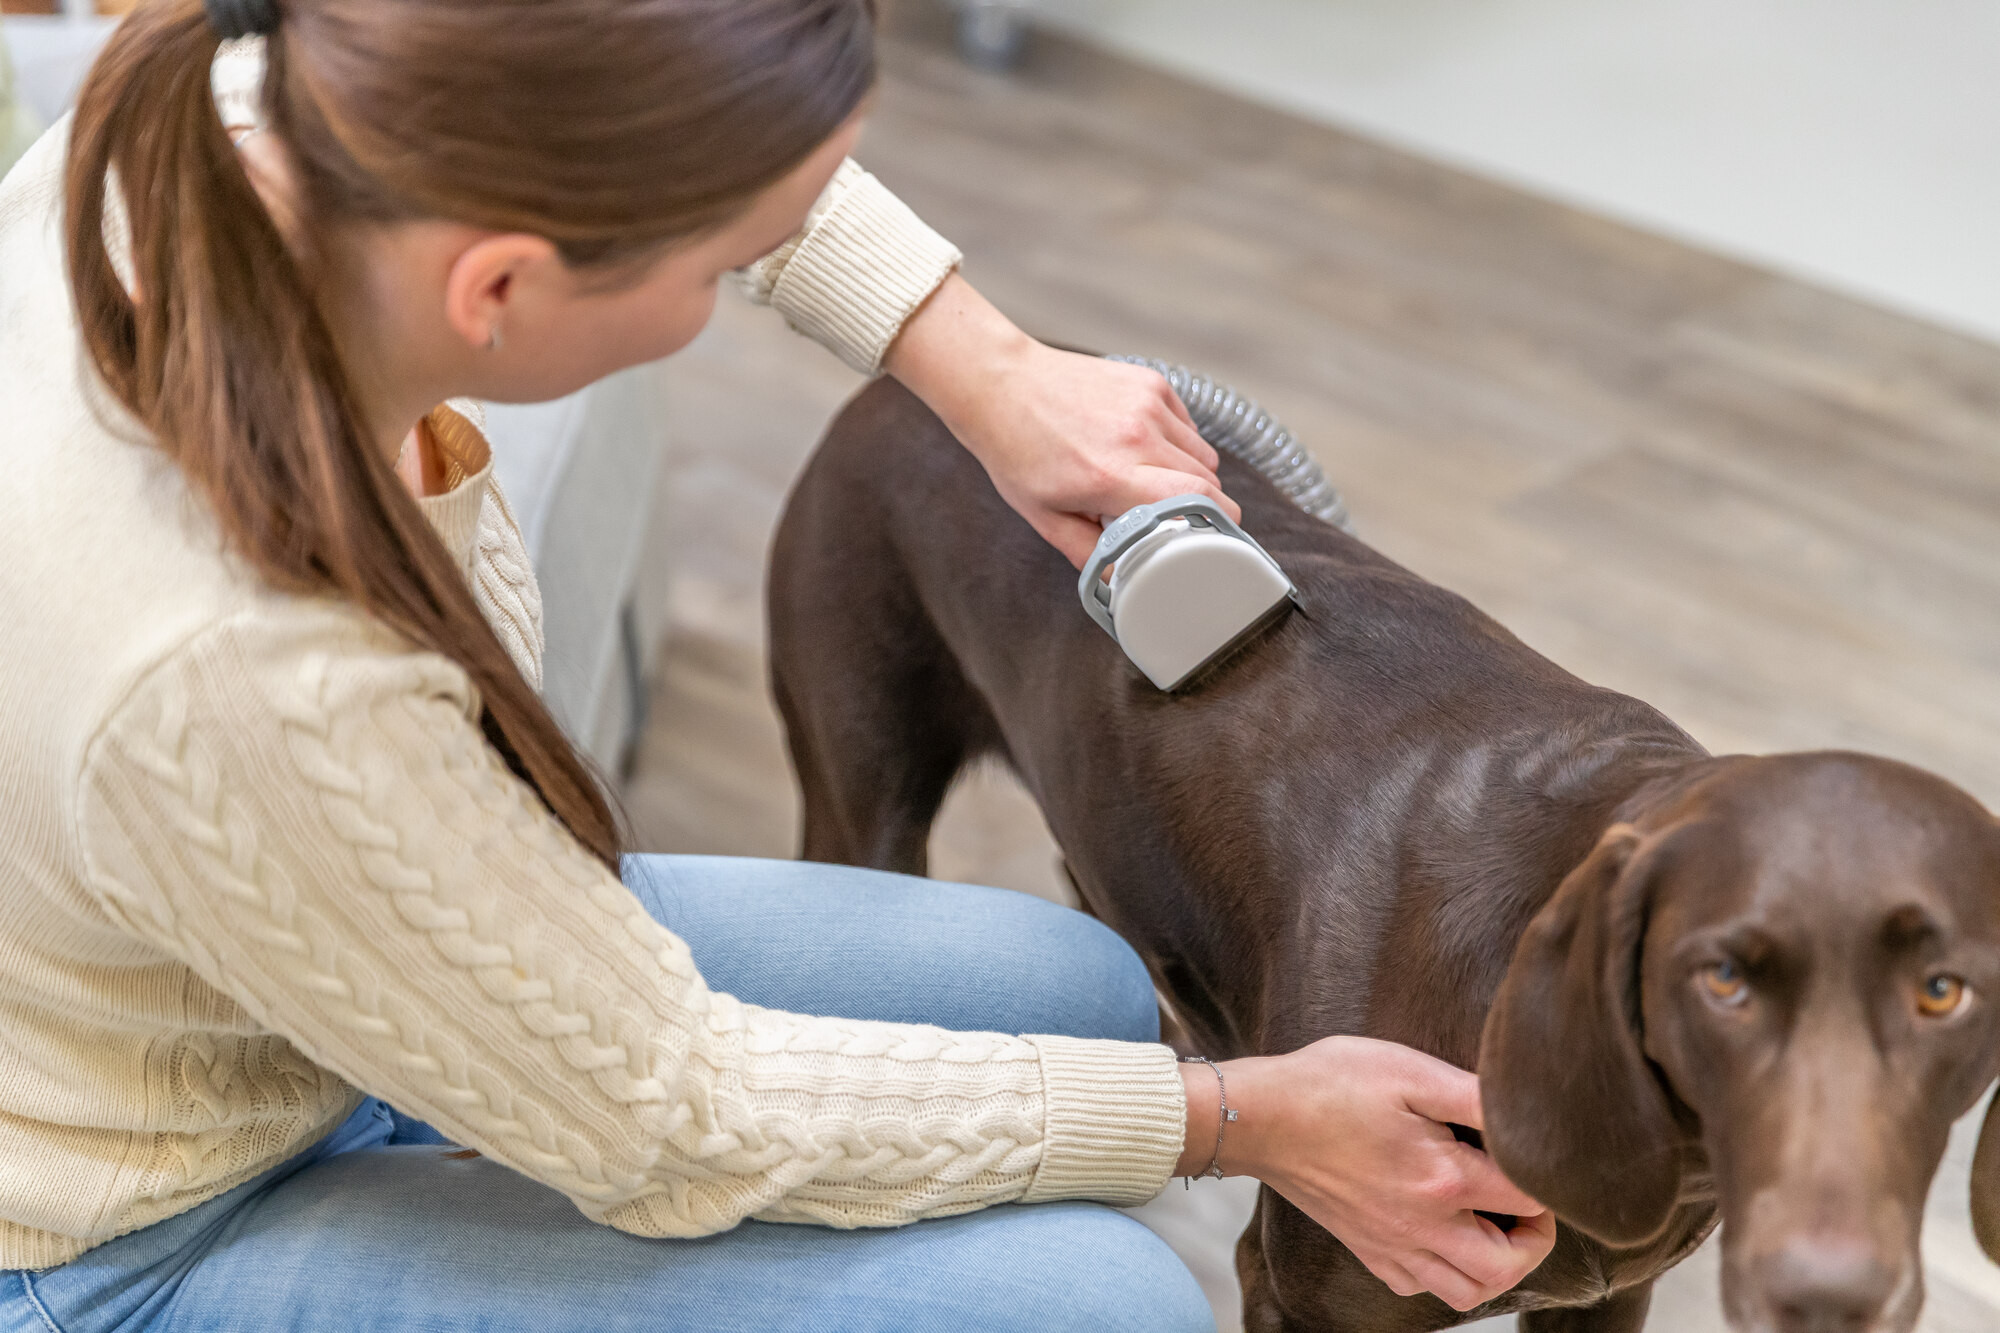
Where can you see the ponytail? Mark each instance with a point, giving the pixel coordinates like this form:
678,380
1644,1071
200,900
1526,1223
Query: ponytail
220,349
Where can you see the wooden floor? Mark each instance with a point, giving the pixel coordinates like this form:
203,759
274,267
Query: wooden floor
1770,511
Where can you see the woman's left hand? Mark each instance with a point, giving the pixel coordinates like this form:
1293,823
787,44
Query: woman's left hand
1066,438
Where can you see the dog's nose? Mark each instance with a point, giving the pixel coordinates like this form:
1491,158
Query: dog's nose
1826,1286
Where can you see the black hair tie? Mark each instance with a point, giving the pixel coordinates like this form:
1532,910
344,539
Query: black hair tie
242,18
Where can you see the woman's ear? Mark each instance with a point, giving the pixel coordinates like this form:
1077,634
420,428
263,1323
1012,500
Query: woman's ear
1574,1112
484,285
1986,1184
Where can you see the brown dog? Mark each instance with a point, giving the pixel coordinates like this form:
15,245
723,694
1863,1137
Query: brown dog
1758,987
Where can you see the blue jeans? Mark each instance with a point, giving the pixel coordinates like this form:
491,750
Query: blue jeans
374,1227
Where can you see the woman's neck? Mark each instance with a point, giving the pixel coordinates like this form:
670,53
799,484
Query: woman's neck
394,367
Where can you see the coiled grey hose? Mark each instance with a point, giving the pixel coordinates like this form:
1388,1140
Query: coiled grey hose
1239,427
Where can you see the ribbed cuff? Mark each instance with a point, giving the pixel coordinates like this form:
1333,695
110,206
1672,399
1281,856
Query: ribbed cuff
25,1247
860,271
1116,1117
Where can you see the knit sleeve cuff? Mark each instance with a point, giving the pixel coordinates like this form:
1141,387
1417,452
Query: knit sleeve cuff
858,271
1117,1115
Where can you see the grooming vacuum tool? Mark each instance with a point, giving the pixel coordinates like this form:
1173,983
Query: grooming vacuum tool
1187,587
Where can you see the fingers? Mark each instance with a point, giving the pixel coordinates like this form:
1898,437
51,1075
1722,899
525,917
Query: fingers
1066,437
1449,1095
1174,403
1474,1261
1178,429
1493,1258
1442,1092
1188,437
1157,483
1484,1187
1447,1283
1181,433
1394,1276
1075,537
1533,1236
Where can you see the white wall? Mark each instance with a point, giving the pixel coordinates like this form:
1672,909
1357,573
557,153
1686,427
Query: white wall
51,56
1853,142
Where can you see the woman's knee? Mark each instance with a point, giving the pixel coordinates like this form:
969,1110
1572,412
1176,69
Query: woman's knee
1106,990
868,944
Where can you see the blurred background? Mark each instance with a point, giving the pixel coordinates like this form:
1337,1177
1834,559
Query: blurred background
1663,329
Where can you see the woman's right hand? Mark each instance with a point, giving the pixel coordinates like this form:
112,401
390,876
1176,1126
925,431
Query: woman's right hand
1354,1133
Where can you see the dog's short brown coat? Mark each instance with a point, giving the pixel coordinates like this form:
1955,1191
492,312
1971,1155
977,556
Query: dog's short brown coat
1391,818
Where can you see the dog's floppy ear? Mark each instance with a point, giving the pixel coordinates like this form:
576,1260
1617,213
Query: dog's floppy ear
1986,1184
1575,1114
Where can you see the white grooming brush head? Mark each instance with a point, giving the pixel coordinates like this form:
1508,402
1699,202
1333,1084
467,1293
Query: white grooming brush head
1184,594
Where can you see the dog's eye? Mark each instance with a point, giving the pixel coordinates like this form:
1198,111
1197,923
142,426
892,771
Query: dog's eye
1724,981
1940,995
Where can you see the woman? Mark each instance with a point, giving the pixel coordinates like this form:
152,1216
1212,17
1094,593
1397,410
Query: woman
292,842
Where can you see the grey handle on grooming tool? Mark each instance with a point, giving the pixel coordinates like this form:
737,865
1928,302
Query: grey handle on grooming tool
1125,531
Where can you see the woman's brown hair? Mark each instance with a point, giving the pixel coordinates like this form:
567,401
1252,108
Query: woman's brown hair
610,127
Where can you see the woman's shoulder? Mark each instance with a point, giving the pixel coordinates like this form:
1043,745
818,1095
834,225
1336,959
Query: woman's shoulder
36,319
115,572
32,187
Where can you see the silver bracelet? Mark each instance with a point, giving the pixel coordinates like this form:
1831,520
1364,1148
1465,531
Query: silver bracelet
1214,1171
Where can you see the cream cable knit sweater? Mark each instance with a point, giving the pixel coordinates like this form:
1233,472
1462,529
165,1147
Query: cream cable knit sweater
258,859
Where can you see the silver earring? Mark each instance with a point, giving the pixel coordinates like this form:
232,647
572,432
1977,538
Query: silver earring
493,338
